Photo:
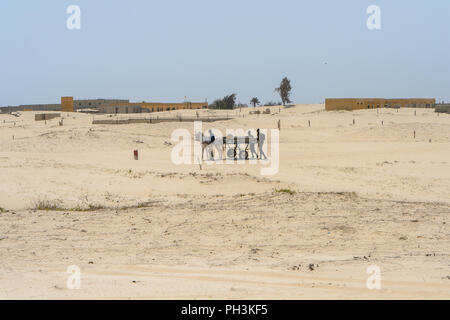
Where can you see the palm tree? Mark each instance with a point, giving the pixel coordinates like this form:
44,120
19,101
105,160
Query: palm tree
254,102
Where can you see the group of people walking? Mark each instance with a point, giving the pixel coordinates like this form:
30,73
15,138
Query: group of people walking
261,137
252,142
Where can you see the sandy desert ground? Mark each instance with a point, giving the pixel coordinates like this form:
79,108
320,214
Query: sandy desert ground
360,194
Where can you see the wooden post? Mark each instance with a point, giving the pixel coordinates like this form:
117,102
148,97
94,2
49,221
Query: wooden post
279,124
309,123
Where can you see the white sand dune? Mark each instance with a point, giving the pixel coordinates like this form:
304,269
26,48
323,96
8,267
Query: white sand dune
365,194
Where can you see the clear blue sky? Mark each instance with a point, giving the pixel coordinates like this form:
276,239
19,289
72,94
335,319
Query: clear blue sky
205,49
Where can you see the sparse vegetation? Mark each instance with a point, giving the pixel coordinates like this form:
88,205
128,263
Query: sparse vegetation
47,205
56,205
286,190
145,204
139,205
89,207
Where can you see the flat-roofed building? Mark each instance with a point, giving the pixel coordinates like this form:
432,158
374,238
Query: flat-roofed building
374,103
69,104
138,107
97,103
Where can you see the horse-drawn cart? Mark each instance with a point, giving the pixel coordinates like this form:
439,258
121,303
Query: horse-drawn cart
235,148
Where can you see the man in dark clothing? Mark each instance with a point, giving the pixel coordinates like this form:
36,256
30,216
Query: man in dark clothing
261,138
212,137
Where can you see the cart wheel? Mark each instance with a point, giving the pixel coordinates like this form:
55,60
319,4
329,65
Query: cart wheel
243,155
231,153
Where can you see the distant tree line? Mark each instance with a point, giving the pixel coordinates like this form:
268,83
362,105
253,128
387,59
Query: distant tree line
229,101
271,104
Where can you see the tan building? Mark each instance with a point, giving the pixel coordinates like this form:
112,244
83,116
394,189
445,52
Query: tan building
96,103
67,104
159,106
374,103
113,106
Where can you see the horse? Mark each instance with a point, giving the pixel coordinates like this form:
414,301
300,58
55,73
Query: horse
206,145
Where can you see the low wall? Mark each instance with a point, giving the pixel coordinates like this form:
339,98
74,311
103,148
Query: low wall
158,120
443,108
46,116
